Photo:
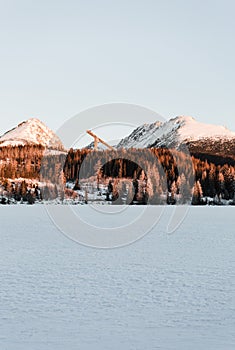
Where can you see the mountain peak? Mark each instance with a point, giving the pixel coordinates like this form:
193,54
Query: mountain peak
31,132
184,118
33,120
174,132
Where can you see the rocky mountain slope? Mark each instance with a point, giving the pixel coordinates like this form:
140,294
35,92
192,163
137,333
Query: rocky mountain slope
173,133
201,139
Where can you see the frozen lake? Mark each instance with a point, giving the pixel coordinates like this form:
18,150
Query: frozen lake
162,292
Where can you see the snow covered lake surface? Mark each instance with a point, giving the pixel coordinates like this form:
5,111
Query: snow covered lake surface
162,292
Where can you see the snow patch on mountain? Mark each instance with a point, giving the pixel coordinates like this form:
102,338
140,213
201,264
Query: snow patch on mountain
194,130
31,132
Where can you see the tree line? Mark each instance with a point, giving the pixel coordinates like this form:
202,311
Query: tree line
154,175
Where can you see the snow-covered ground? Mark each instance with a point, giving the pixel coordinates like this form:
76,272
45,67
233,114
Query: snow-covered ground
163,292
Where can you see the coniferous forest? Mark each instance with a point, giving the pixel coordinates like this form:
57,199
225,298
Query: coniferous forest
146,176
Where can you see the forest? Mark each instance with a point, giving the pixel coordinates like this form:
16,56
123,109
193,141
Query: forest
155,176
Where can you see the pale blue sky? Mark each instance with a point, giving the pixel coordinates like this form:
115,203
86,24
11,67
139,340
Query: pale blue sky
61,57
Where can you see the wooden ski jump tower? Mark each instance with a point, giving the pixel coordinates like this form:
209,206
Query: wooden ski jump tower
99,140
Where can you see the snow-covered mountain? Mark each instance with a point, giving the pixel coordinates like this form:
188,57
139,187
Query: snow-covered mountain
31,132
175,132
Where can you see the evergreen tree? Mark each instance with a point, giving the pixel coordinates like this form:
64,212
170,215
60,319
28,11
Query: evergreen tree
197,194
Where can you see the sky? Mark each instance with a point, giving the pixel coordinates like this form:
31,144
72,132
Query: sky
59,58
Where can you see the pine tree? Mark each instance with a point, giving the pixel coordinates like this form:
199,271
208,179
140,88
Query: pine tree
197,193
185,191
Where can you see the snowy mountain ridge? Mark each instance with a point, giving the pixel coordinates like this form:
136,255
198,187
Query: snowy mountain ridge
31,132
175,132
172,133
